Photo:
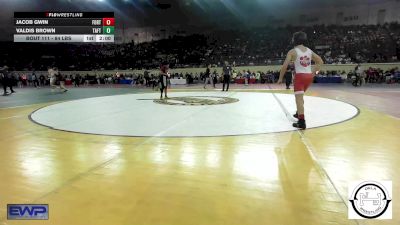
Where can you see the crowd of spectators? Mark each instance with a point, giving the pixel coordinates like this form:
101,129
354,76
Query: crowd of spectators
147,79
257,46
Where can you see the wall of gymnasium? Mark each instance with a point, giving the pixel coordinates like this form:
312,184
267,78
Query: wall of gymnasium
365,13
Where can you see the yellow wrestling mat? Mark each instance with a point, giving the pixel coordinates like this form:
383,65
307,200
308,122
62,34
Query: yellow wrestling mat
279,178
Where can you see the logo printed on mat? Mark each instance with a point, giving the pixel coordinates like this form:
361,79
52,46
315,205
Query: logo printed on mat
27,212
196,100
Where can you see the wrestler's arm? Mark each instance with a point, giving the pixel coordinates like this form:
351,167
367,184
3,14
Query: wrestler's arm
318,63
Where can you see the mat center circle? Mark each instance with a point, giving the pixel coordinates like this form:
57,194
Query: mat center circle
190,114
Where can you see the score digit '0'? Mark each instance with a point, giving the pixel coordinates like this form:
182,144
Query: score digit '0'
108,21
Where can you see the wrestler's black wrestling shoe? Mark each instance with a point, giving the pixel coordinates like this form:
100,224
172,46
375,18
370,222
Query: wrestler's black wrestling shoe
296,115
301,124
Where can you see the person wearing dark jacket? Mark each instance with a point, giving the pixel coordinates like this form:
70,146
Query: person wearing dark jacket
226,71
35,80
6,80
288,77
214,78
207,75
163,79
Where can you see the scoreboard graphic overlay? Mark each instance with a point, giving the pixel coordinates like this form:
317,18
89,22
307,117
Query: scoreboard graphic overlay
64,26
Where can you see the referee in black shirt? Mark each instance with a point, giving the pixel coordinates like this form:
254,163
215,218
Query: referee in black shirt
226,71
288,77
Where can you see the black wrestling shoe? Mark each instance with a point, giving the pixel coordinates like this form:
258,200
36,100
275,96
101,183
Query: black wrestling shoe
296,115
301,124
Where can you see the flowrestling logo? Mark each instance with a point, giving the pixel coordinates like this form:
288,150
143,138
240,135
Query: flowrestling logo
370,200
27,212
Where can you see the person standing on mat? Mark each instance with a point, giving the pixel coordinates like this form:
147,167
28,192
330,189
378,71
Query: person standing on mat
214,78
226,71
35,80
358,76
304,73
163,79
207,75
61,80
54,79
288,77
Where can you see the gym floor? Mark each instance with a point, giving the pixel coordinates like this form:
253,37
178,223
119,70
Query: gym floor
286,177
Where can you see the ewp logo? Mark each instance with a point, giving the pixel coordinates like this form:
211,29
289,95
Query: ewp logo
27,212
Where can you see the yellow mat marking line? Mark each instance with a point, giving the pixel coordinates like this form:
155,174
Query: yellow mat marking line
11,117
